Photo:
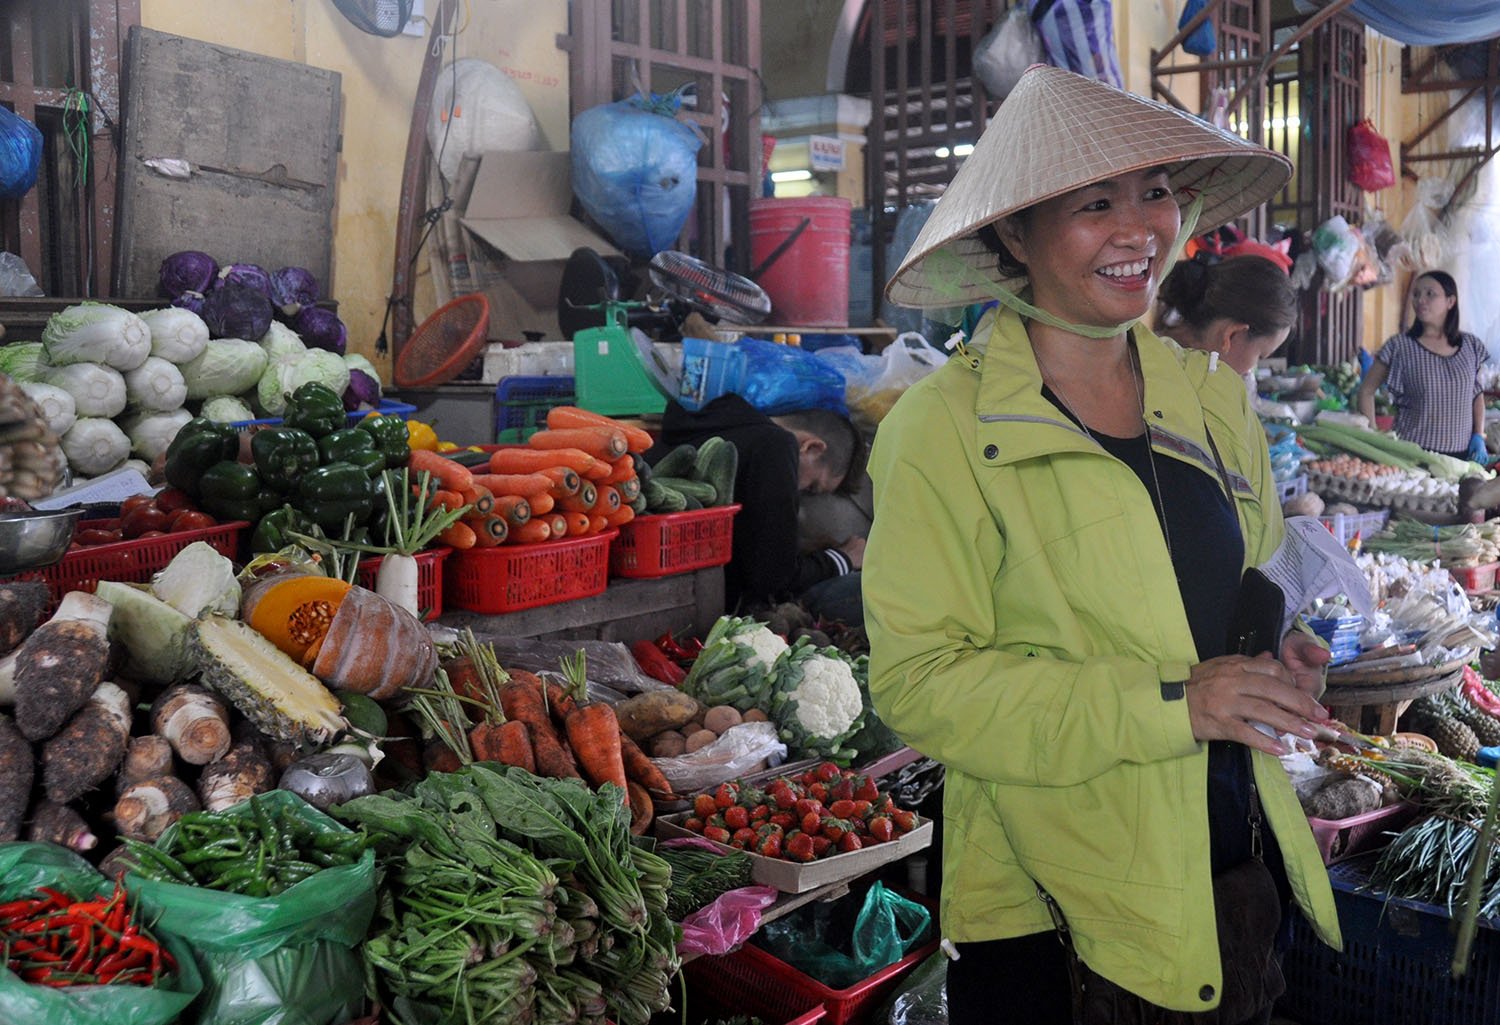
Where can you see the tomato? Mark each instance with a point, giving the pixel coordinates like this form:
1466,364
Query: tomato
170,500
152,533
141,519
190,519
136,502
95,536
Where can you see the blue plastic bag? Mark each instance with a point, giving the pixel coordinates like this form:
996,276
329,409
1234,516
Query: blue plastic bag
782,378
1202,42
1079,35
635,170
20,154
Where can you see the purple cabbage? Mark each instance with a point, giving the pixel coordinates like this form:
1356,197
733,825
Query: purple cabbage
321,329
236,311
187,271
292,288
363,391
190,301
247,274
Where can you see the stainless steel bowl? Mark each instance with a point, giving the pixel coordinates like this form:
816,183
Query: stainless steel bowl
30,540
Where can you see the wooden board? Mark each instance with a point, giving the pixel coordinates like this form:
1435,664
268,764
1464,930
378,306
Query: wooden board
261,136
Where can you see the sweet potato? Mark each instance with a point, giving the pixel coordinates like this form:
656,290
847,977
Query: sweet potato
89,748
645,715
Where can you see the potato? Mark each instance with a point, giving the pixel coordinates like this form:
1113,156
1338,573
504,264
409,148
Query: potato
755,715
700,739
645,715
689,728
720,717
668,744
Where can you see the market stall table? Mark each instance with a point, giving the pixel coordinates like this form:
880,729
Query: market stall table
1374,707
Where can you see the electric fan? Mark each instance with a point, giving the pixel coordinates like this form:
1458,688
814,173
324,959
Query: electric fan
377,17
720,294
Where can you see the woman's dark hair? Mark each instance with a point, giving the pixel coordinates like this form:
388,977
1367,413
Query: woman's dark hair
1450,288
1247,289
1009,266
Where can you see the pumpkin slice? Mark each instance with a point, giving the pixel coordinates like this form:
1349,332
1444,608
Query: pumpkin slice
375,647
294,611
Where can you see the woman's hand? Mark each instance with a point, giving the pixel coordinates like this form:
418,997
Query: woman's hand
1306,660
1225,695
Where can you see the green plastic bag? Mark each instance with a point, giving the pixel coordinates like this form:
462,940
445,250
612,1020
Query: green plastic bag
283,960
818,940
24,867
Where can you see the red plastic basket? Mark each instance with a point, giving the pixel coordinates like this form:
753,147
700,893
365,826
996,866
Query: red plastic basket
429,578
1338,839
1475,579
131,562
667,543
509,578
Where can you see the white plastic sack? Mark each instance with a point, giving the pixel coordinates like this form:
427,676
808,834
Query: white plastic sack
904,362
1337,247
739,750
1006,50
490,113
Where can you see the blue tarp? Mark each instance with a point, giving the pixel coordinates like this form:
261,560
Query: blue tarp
1430,22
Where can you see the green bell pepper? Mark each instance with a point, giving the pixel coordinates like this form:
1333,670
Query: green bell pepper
330,493
316,409
344,444
271,533
233,491
282,455
198,445
372,462
390,437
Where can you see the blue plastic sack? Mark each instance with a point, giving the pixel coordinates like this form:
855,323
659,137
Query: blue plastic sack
1202,42
20,154
1079,35
635,170
782,378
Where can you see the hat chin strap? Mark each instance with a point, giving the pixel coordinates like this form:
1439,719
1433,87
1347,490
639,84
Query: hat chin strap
949,275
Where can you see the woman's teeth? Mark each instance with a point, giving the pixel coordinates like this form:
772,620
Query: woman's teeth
1126,270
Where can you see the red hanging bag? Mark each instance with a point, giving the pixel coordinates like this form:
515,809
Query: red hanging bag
1370,164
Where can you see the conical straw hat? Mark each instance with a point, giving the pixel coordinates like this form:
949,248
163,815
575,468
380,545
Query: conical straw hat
1057,132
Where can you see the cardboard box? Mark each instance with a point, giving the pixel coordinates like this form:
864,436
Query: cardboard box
519,235
799,877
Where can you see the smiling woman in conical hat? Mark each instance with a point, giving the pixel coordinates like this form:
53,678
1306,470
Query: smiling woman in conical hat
1064,513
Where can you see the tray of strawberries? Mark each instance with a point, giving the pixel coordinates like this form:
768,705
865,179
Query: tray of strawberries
806,830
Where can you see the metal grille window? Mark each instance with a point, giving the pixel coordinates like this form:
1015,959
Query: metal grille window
60,69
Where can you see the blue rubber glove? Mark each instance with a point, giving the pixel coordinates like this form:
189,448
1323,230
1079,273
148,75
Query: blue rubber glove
1477,452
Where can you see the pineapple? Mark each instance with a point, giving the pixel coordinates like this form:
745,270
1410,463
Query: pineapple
1453,738
1485,726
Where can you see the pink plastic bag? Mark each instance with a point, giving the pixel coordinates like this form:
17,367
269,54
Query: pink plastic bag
1369,158
730,920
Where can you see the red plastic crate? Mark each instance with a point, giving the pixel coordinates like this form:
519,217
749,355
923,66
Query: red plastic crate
131,562
1475,579
711,993
429,578
667,543
509,578
1338,839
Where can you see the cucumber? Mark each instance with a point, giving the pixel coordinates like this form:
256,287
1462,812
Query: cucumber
638,504
660,498
642,468
704,492
676,463
718,462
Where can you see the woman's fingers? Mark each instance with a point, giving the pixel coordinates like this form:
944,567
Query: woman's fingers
1227,695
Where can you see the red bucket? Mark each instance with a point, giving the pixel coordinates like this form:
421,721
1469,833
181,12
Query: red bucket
808,282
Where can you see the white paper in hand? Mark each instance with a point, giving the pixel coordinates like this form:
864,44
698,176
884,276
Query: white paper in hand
1311,564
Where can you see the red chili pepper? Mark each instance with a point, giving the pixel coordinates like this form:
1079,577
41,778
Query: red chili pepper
655,663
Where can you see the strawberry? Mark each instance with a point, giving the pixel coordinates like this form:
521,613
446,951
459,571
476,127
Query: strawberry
726,795
799,847
704,806
821,846
784,798
736,817
836,829
882,828
849,842
743,838
808,778
718,834
809,806
843,790
811,822
769,829
905,820
785,819
828,772
862,810
842,809
693,824
760,813
769,846
819,791
865,789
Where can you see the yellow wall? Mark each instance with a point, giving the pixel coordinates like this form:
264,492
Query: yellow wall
379,79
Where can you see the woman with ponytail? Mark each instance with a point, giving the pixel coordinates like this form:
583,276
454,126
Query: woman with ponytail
1241,308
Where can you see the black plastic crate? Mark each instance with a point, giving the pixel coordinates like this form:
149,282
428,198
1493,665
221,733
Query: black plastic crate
521,405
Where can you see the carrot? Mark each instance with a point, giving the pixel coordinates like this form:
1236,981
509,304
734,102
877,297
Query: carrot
514,508
447,499
508,743
607,443
521,699
642,769
559,524
578,523
458,535
607,502
488,530
620,516
521,459
642,809
629,488
541,503
587,495
559,702
597,524
594,735
513,483
565,482
623,469
531,532
598,471
563,417
479,497
450,476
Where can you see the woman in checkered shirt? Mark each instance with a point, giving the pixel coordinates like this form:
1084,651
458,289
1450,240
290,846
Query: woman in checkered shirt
1431,372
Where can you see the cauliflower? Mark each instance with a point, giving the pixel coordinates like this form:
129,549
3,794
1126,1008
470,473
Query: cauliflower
737,666
768,647
818,704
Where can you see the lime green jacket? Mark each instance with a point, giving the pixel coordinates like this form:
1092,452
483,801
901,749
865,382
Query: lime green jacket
1023,617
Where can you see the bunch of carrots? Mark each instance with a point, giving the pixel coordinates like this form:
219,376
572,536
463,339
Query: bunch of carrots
575,478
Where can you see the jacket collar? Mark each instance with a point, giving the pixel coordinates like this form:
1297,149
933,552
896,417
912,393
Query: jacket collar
1010,394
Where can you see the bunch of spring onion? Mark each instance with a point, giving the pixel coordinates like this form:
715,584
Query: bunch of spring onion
1465,544
1385,449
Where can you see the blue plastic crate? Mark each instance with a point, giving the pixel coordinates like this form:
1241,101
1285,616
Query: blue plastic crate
1394,967
521,405
387,407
